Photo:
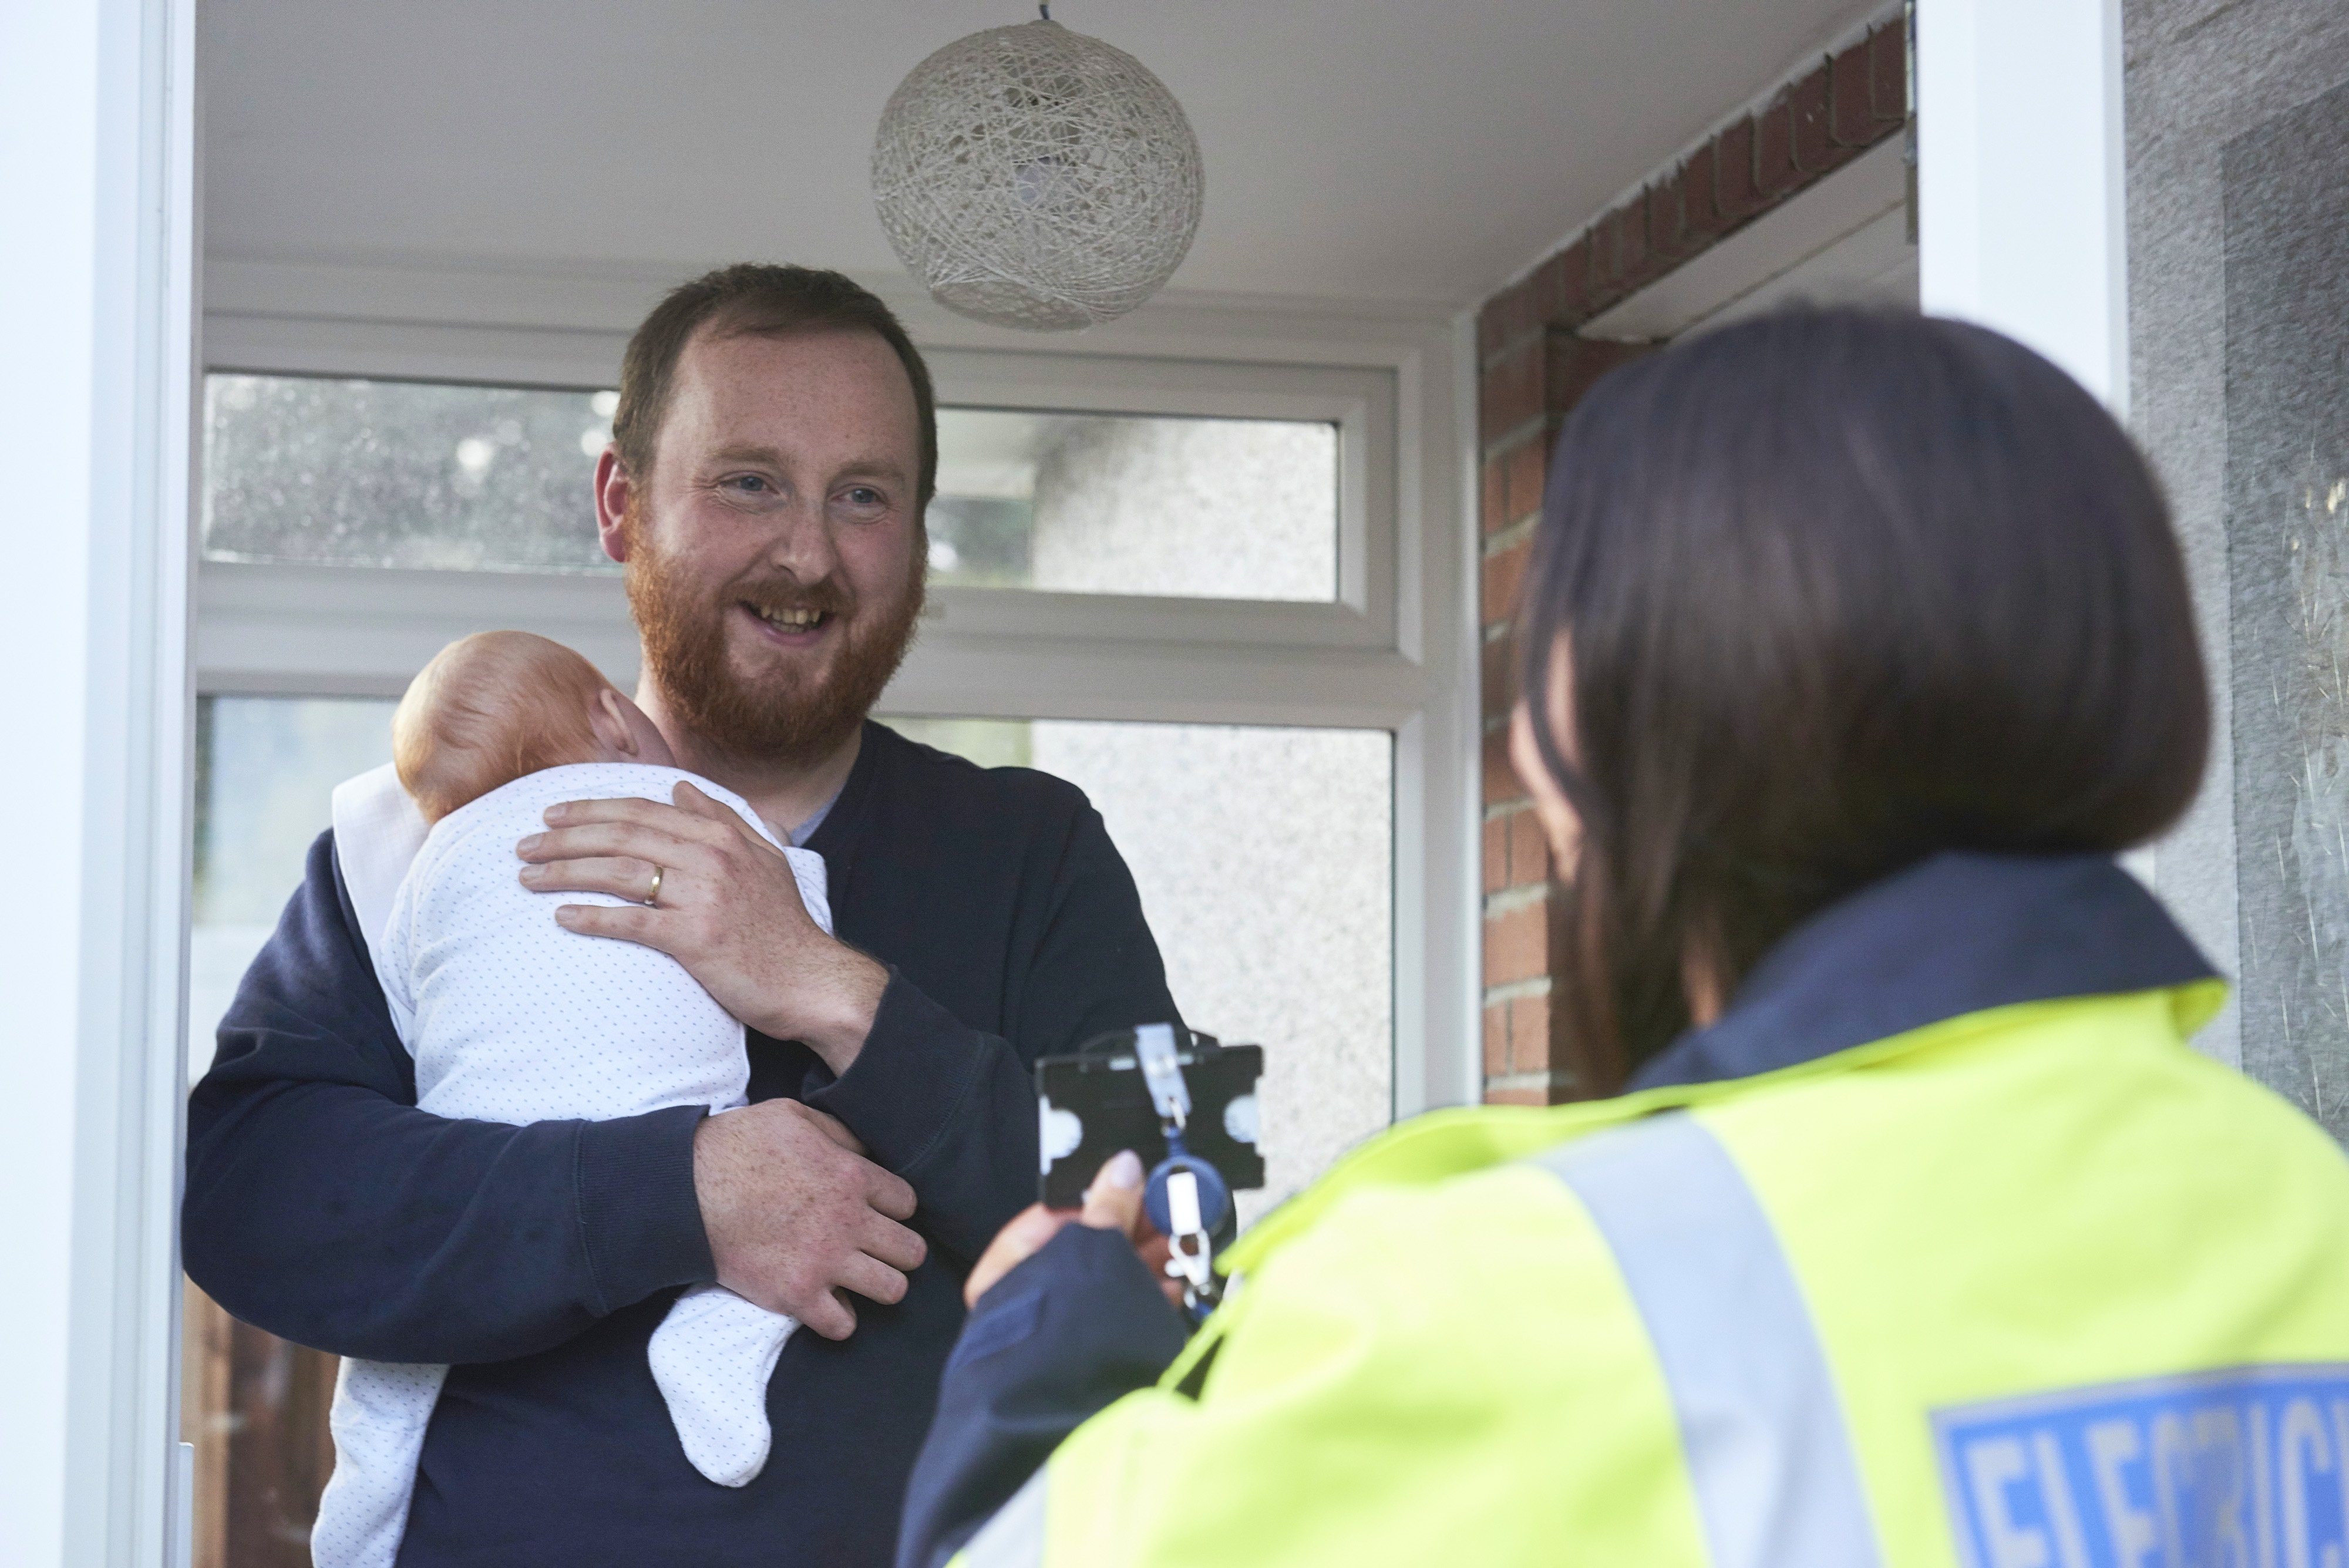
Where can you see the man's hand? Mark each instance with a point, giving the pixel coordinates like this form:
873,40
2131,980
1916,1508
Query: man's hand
1113,1202
796,1214
730,911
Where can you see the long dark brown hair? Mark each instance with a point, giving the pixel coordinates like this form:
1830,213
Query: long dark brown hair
1838,590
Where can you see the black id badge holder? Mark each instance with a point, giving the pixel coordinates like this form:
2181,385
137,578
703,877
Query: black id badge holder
1187,1106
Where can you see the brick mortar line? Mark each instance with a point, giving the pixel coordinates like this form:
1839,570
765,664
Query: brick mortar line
1553,1079
1509,900
1509,536
1517,897
1518,435
1517,990
1564,327
1531,337
1536,336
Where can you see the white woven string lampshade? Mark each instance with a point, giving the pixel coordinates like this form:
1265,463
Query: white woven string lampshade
1035,178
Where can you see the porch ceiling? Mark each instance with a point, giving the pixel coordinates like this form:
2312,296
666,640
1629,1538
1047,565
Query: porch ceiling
1406,153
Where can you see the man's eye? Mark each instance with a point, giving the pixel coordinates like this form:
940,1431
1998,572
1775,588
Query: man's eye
863,497
751,483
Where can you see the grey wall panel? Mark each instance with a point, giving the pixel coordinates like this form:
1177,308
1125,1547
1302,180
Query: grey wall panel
2201,74
2286,189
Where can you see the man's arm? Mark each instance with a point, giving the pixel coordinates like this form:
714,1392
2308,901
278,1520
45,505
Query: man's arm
949,1109
323,1207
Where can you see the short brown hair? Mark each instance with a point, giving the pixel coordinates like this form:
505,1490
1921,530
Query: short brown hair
489,708
759,300
1841,590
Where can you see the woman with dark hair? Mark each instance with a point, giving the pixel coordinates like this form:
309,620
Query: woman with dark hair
1901,1225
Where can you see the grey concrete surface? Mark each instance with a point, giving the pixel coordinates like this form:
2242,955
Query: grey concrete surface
2286,201
2203,73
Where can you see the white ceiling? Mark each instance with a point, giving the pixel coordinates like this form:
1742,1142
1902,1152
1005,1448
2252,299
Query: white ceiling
1405,152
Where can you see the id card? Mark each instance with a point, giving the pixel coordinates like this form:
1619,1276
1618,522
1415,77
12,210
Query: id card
1095,1103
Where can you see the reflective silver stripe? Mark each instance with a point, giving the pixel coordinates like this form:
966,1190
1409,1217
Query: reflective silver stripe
1761,1429
1014,1538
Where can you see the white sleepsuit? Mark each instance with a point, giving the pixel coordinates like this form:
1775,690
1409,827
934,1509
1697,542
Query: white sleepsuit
512,1019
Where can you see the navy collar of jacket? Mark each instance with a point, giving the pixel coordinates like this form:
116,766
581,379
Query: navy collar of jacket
1953,934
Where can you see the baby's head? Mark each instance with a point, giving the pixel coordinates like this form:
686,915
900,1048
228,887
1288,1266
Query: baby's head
494,706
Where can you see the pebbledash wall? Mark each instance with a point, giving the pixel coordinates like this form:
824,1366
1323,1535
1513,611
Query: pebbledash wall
2238,137
1534,365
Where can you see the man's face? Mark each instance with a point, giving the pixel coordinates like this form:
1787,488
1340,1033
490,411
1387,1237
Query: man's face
775,558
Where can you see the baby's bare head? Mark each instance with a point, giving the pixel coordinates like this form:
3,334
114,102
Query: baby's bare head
494,706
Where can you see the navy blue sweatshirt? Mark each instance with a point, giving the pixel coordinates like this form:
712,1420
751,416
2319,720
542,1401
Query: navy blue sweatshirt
323,1207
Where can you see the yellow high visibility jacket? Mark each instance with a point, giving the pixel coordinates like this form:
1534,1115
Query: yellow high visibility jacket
2031,1285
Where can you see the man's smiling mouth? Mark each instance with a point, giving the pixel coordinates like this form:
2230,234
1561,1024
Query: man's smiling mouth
799,618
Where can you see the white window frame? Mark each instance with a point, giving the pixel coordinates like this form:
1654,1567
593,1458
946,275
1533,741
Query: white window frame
1391,651
98,170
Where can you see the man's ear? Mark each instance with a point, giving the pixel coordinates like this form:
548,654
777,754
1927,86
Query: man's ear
610,723
612,491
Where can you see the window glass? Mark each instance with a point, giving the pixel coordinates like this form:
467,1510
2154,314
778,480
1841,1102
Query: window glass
1266,863
402,473
424,475
1188,508
266,768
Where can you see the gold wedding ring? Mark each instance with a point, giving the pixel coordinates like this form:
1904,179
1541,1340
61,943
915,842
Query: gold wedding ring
652,894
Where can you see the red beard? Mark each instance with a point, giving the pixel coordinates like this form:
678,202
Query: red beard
791,716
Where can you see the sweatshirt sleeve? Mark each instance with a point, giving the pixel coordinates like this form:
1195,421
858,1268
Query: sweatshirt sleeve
1060,1338
323,1207
952,1109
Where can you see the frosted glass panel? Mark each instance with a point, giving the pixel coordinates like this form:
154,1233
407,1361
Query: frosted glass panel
1265,859
402,473
1238,509
266,768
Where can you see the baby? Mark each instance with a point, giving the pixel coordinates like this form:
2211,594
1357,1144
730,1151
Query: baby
512,1019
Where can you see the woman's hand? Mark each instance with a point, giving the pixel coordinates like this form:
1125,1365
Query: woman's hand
729,910
1113,1202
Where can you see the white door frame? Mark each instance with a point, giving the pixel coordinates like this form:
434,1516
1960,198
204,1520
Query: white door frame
97,134
2022,210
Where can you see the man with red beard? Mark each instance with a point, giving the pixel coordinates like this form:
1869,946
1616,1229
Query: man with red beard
774,448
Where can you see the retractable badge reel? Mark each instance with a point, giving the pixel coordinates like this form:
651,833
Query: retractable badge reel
1150,1086
1187,1198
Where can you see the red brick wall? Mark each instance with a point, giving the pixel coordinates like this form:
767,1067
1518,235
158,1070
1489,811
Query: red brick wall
1533,367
